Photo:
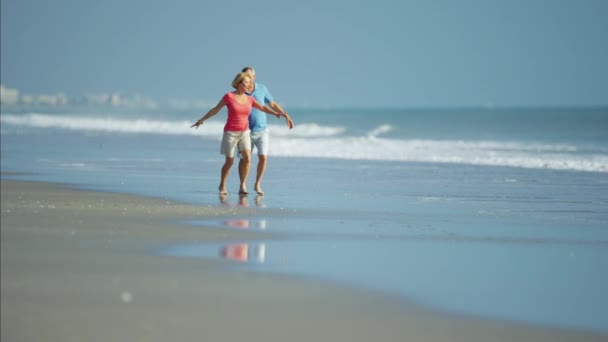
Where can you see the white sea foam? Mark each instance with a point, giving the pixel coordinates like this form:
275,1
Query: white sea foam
461,152
305,130
211,128
100,124
314,140
379,130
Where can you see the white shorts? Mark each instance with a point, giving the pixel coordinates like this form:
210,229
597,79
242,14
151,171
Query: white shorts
260,141
231,139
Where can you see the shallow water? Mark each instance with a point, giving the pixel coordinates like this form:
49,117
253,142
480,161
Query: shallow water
444,219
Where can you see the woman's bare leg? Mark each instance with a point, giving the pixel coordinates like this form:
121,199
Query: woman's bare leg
225,171
244,170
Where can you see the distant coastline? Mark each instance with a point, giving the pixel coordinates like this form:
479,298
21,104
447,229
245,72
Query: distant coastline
15,99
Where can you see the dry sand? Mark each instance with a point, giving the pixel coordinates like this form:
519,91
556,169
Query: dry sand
77,266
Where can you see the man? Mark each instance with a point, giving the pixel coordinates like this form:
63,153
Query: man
259,127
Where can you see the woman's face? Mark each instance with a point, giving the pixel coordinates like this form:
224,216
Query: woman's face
245,84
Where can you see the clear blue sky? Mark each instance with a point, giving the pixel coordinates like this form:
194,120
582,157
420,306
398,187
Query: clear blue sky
315,52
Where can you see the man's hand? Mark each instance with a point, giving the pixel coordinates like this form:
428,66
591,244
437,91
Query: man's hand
288,120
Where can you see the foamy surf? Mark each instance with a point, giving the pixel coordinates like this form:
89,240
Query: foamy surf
319,141
211,128
100,124
457,152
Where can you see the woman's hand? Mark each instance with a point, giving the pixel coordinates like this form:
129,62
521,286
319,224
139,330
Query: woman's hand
198,123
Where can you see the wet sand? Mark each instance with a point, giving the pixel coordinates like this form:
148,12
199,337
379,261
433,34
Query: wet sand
80,266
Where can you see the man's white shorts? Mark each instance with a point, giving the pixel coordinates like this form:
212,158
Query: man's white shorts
260,141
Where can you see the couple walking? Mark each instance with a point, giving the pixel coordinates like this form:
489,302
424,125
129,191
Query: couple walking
245,126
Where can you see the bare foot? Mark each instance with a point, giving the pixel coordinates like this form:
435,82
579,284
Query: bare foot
258,189
222,190
243,191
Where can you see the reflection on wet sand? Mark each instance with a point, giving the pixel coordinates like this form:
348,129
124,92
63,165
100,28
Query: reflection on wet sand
246,224
242,202
244,252
239,252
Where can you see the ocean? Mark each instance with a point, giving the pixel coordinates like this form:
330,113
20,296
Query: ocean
489,212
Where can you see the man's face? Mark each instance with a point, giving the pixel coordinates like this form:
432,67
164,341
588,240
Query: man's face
251,74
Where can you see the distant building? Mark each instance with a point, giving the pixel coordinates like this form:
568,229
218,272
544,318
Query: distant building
27,99
52,100
97,99
114,100
9,95
190,104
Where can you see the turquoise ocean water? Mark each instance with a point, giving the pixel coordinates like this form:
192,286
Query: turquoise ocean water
499,213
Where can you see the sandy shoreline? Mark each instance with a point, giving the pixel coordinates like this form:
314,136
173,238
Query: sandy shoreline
76,267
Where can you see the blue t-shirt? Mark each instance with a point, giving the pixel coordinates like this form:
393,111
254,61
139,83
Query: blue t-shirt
257,118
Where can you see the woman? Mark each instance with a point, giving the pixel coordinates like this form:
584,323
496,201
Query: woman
236,130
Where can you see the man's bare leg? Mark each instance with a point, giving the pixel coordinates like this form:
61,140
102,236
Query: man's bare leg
260,173
244,164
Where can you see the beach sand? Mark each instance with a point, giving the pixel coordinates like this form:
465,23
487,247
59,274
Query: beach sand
80,266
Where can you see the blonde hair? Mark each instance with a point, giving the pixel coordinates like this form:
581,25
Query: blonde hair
239,78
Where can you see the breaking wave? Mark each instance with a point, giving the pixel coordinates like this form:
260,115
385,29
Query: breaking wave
319,141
